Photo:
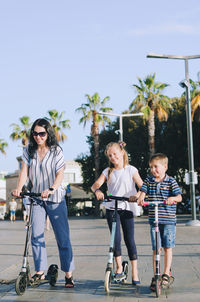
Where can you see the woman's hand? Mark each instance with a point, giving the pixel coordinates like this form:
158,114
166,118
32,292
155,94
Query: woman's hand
46,193
16,192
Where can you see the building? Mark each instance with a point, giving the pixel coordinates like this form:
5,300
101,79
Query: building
3,185
72,174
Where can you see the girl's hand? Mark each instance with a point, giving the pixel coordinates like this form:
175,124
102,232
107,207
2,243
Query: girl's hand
99,195
140,201
133,198
16,192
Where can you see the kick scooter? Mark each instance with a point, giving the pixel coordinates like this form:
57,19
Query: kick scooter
110,273
24,279
157,256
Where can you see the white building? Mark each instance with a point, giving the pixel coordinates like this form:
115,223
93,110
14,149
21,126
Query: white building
72,173
3,185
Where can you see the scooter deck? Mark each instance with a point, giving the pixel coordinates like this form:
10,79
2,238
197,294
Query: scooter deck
38,282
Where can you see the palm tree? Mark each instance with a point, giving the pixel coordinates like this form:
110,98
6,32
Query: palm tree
3,145
58,124
195,97
21,132
151,102
90,112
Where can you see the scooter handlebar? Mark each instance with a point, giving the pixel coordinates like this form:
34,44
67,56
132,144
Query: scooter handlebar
147,203
111,197
29,194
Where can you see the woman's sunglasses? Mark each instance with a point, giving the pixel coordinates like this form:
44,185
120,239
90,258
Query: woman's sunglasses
41,134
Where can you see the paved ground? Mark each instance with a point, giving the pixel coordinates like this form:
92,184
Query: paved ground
90,239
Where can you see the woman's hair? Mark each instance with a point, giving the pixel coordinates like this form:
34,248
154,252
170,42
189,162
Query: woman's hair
120,145
51,139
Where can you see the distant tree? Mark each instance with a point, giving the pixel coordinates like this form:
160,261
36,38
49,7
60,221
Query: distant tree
171,139
195,97
3,145
151,102
58,124
90,112
21,132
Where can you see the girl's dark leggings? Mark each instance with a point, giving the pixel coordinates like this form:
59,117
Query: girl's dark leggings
126,219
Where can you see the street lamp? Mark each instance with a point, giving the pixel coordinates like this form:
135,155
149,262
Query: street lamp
120,120
186,84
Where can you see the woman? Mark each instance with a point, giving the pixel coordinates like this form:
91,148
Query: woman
121,179
43,164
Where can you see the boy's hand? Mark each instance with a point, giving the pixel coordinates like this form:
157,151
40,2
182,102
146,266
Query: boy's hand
170,201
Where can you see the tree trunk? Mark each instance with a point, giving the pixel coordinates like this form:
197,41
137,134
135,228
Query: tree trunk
95,134
151,133
96,150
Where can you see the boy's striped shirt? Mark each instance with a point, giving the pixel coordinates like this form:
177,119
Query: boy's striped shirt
160,191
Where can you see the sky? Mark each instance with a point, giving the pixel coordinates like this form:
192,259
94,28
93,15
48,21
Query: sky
52,53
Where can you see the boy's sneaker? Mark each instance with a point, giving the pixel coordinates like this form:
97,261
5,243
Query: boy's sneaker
166,280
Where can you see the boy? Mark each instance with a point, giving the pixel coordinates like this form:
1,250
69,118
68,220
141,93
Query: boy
161,187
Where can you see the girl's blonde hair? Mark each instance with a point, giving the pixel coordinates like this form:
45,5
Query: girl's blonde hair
120,145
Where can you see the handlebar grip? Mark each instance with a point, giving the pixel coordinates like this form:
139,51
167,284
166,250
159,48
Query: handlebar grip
30,194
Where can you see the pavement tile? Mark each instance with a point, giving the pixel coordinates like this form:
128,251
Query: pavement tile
90,240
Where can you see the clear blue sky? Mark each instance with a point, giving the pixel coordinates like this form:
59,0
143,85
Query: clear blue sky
54,52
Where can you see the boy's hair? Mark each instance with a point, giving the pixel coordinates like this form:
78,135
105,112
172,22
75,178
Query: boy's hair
160,157
121,146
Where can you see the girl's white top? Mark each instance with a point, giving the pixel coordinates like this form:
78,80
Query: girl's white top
121,184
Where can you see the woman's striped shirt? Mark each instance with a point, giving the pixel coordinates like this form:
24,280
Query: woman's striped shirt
42,174
160,191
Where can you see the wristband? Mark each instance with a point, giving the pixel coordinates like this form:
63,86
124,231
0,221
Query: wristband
51,189
97,190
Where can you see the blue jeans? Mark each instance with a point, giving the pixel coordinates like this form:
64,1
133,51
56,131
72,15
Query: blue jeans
127,222
57,213
167,234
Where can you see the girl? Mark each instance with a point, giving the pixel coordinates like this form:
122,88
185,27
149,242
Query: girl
121,179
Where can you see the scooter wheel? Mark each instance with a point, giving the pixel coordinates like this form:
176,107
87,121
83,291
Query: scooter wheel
107,282
21,284
125,270
158,288
52,274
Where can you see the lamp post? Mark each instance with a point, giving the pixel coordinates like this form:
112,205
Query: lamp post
186,84
120,120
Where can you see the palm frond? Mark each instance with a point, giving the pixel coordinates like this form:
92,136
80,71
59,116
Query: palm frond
195,105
